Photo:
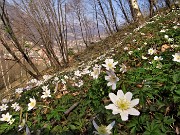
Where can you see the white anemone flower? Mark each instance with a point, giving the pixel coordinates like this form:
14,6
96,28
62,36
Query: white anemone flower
96,71
77,73
175,27
63,81
112,78
6,117
56,79
47,77
32,81
144,58
126,48
3,107
130,52
16,106
32,104
66,77
79,84
176,57
45,88
19,90
163,30
11,121
110,64
103,130
151,51
86,71
123,68
170,39
145,43
39,83
123,104
166,36
156,58
46,94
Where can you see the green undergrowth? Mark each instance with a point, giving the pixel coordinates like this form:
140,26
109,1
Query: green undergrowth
155,83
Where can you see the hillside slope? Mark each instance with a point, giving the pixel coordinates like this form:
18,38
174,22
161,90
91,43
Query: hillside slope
144,64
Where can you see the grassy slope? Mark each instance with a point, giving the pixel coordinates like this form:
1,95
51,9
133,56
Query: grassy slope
157,89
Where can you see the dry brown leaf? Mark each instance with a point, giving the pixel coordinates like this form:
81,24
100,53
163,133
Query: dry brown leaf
139,85
167,110
164,47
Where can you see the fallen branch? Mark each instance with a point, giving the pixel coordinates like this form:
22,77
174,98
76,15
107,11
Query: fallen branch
71,108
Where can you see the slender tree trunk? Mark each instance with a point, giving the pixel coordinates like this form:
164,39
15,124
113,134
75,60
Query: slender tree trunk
17,59
82,34
113,15
124,12
168,3
105,17
97,23
2,71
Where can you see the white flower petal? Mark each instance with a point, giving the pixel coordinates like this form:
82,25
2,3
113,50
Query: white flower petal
120,94
115,63
133,111
110,126
111,106
124,116
128,96
113,97
95,125
113,86
106,77
134,102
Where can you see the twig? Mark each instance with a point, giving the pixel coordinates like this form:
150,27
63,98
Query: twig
71,108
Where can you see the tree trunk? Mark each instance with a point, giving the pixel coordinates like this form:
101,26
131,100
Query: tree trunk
168,3
124,12
105,17
151,9
113,15
136,13
17,59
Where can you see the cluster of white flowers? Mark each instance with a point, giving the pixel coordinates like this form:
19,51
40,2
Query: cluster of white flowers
16,106
47,77
168,39
7,117
46,92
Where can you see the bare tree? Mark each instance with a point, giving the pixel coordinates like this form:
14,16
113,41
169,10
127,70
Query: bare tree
105,17
124,11
113,15
135,11
8,29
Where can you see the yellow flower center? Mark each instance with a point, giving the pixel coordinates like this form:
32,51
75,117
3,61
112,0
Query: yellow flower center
32,104
178,57
123,104
96,72
102,129
6,118
113,78
110,65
